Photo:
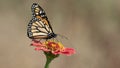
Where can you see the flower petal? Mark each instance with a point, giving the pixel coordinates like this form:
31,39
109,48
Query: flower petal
68,51
53,47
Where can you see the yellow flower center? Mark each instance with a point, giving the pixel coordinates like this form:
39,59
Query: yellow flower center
53,45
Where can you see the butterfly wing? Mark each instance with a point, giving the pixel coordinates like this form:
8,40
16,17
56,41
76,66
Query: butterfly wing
38,12
38,29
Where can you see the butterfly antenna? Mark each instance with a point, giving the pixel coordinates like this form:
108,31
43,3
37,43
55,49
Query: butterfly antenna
62,36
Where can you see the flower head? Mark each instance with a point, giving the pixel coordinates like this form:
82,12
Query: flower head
52,46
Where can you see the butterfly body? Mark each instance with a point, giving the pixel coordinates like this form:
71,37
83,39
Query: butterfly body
39,26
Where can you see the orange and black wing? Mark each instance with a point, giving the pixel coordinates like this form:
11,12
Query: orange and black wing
39,27
38,12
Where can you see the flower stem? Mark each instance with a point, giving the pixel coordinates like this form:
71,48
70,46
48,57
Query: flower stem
48,61
49,58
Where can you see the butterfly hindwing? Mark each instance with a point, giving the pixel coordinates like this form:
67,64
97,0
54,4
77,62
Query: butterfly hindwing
36,28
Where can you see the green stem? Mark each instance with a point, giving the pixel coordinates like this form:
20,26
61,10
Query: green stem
49,58
48,61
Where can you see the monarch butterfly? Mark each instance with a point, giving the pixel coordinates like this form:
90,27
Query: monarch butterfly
39,27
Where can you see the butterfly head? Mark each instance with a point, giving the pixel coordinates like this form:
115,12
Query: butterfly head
51,35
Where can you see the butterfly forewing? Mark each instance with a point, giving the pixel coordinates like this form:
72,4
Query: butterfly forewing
39,27
38,12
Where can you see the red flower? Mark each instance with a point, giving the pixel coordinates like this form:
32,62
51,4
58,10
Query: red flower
52,46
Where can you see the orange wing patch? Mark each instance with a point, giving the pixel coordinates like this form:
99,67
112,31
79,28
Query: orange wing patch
43,20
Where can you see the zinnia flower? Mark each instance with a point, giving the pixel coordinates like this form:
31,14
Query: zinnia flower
52,46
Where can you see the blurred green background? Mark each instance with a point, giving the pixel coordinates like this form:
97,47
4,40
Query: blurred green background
92,26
